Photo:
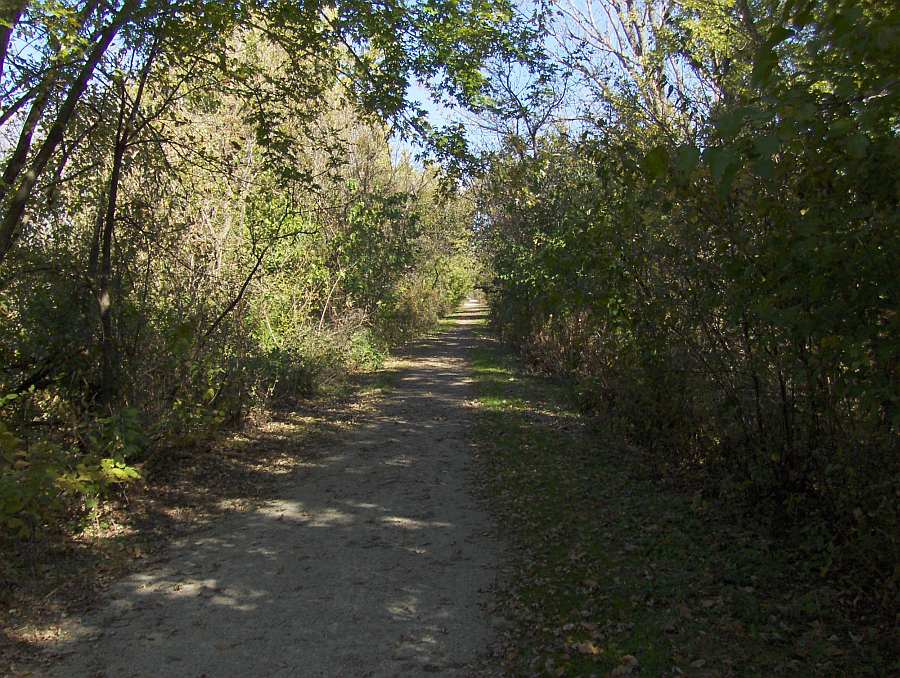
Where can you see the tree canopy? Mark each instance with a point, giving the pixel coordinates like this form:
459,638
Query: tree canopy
687,208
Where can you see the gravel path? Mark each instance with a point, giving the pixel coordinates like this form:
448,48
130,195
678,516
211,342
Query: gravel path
374,561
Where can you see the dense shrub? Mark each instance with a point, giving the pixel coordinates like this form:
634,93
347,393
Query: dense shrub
231,280
722,283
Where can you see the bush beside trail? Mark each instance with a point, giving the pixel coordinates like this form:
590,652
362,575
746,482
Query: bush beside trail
712,263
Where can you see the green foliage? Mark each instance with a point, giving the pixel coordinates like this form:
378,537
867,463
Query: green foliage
42,481
27,485
721,281
200,214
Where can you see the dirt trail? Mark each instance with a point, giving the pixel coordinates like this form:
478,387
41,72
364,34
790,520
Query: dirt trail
374,561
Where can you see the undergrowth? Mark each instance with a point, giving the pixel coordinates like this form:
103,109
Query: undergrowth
617,570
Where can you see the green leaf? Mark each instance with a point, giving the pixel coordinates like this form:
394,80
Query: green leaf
766,146
802,19
763,65
842,23
686,159
655,163
723,163
779,34
857,145
764,167
718,158
731,122
840,127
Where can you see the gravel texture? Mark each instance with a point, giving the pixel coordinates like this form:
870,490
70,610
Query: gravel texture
375,560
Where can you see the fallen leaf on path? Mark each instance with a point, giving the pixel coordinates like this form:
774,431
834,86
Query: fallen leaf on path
588,647
628,667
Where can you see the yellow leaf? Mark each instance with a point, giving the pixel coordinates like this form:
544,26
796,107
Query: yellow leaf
588,647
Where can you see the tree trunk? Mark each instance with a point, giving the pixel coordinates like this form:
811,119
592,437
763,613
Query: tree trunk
104,273
39,96
10,11
108,348
18,202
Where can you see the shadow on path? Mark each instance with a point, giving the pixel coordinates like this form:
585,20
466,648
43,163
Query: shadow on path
372,562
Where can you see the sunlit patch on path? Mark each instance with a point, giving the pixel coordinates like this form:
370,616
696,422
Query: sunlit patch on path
374,561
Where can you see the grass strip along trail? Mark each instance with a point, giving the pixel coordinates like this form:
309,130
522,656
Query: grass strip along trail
614,572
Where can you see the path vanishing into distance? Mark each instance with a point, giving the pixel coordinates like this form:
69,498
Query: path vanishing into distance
375,560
